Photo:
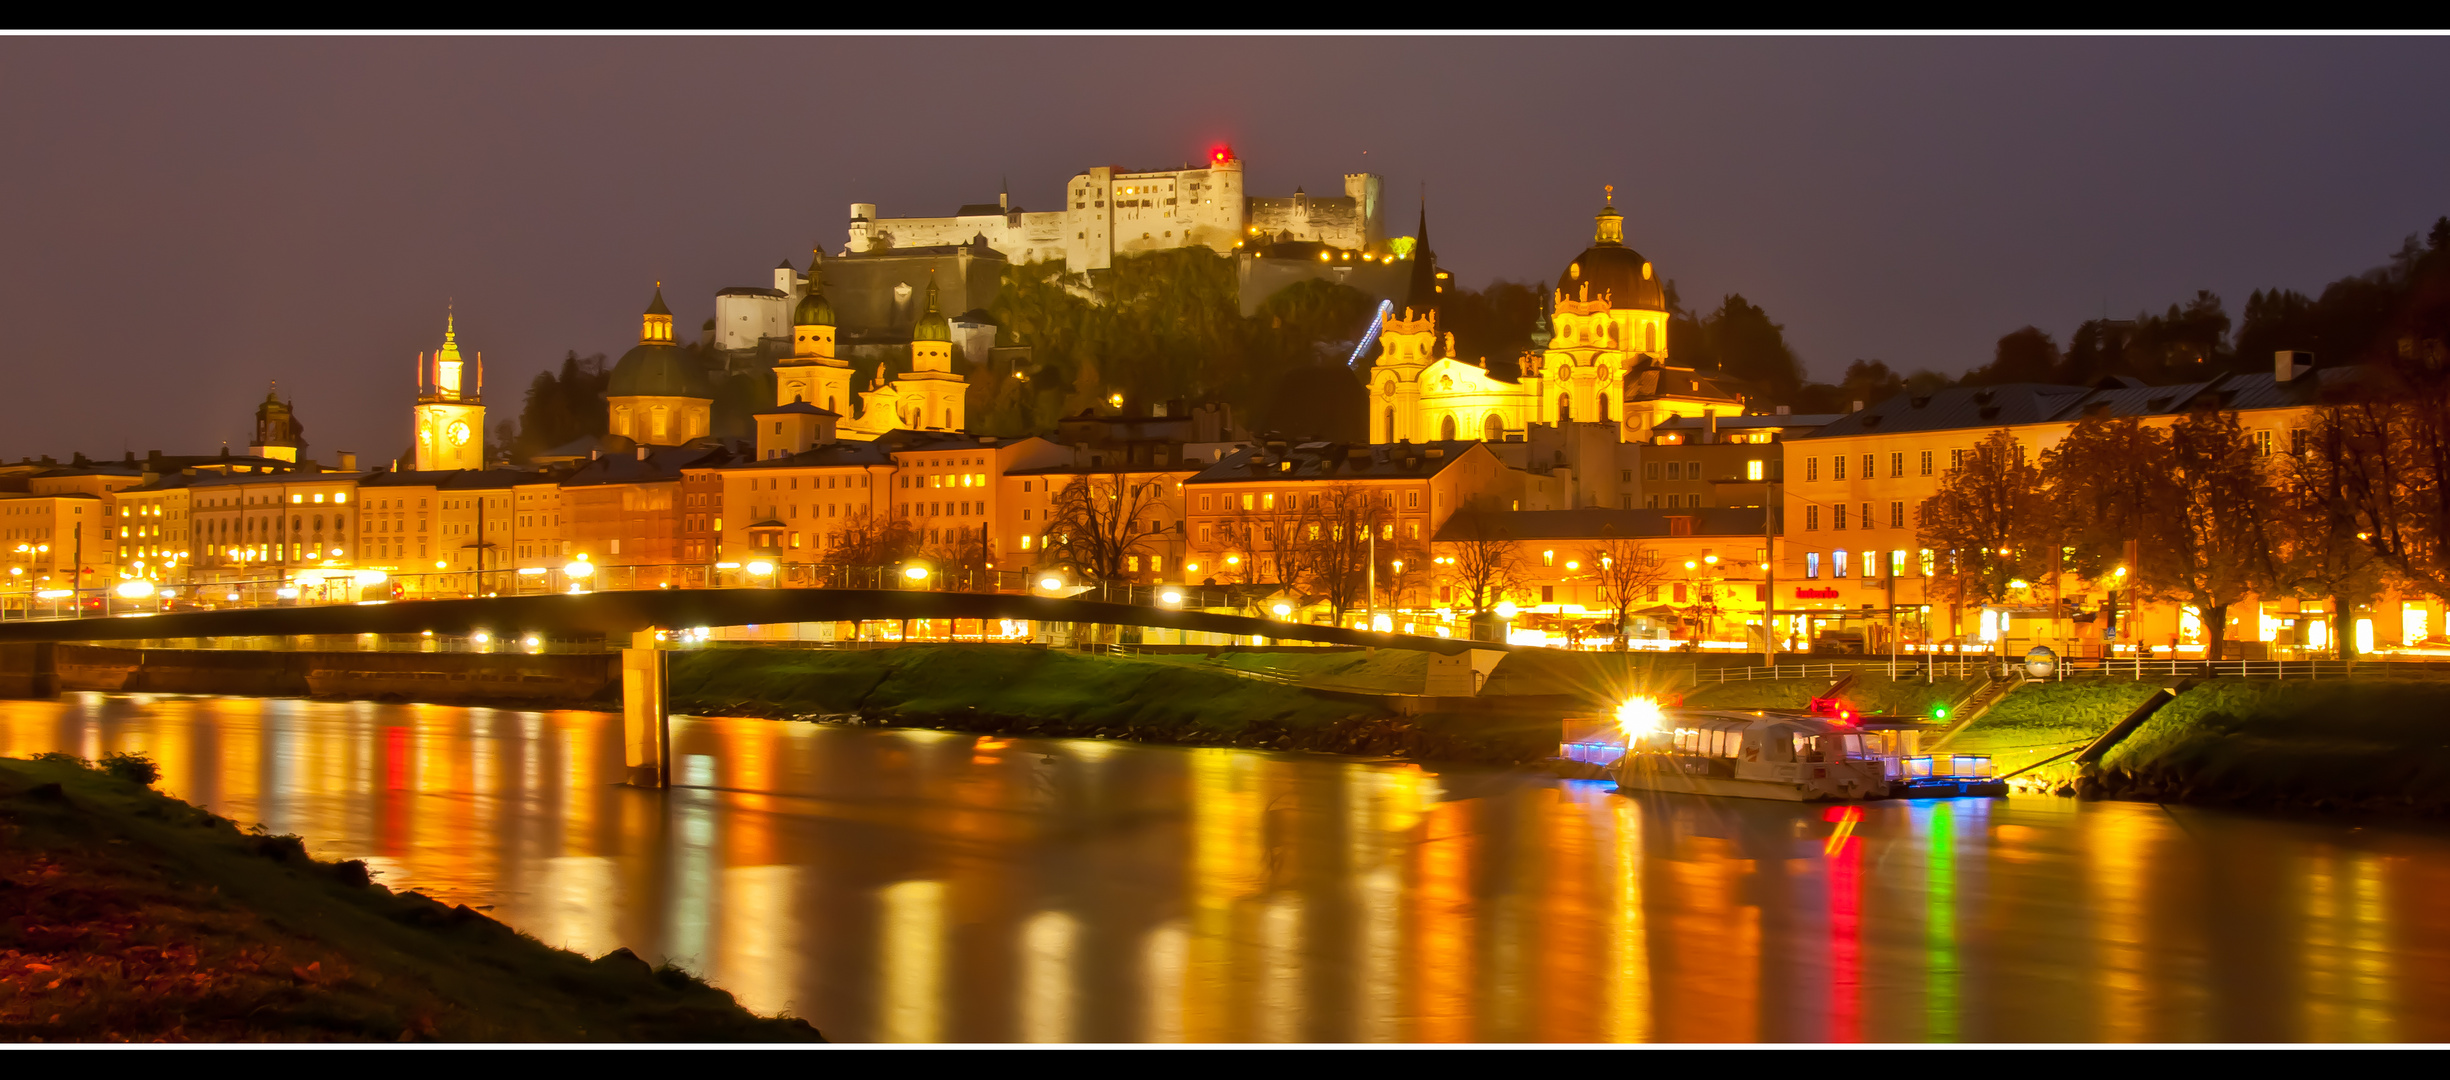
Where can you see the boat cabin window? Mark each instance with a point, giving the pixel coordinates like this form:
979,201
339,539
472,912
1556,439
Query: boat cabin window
1818,748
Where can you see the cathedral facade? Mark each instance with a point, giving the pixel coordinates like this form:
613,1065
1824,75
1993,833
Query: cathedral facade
1605,360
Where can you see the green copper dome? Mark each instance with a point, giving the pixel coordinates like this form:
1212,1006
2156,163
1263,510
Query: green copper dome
657,371
814,309
932,326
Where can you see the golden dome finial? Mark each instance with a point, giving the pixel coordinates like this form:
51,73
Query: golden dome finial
1611,190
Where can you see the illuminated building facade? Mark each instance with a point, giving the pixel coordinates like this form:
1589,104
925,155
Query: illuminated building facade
450,412
1247,516
1607,359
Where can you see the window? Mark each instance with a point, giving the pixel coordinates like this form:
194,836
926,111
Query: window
1926,463
1897,515
1680,592
1650,502
1811,468
1625,475
2262,444
1837,516
1752,470
1837,564
1548,594
1650,471
1956,459
1897,463
1811,517
1811,564
1897,563
1837,467
2296,442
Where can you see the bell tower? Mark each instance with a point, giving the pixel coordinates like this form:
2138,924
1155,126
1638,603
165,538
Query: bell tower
450,406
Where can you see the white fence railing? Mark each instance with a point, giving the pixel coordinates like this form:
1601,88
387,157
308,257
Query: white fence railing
1970,667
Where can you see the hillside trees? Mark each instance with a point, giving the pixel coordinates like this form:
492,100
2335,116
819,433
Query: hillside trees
2213,548
564,404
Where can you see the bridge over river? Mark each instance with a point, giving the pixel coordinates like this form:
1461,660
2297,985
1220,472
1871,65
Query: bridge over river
641,617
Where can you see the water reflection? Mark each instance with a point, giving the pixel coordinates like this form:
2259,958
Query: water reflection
925,886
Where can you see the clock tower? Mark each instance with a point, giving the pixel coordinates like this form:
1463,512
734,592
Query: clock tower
450,414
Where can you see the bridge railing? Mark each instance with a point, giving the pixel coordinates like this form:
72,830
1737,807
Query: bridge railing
336,587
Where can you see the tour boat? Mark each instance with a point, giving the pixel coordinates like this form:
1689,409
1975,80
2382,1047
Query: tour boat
1765,754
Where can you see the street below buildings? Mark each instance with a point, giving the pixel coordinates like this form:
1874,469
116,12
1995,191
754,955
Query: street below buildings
917,885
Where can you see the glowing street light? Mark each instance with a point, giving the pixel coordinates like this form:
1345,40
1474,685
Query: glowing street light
1283,610
136,589
915,572
760,568
1506,609
1170,597
1050,583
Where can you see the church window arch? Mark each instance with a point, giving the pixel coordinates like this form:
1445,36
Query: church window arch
1650,337
1612,335
1494,428
1603,408
1390,418
659,422
1565,408
1446,428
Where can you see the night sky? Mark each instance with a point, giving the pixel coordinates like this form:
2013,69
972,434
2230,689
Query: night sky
186,220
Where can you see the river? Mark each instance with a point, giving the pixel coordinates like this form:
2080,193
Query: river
911,885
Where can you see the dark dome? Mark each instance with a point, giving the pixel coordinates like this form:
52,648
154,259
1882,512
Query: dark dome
657,371
1615,271
932,325
814,310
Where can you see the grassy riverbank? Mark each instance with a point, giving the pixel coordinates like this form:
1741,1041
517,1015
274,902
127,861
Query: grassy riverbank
128,915
1021,689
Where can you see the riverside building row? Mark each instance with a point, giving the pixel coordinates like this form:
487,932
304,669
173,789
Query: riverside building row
1753,526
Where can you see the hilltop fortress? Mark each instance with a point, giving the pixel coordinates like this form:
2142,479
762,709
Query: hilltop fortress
875,278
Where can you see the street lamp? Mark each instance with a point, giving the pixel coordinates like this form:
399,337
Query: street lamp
915,572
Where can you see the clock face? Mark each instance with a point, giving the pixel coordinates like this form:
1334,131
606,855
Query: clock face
459,433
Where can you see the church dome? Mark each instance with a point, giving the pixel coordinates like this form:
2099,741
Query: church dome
814,309
932,326
657,371
1609,268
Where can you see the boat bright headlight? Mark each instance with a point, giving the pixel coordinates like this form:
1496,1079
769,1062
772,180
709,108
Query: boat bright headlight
1638,716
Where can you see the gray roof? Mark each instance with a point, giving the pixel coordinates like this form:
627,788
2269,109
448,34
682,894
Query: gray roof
756,290
1962,407
1334,461
1728,422
1599,524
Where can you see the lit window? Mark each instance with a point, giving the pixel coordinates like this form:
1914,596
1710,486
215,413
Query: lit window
1752,470
1837,564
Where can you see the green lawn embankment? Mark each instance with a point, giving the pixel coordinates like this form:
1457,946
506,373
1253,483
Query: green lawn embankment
1026,690
128,915
2370,743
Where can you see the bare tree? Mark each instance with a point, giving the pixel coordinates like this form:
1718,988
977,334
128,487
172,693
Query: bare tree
1626,570
1337,543
866,539
964,560
1483,562
1100,519
1270,531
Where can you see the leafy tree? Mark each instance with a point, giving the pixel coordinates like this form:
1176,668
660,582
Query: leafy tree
1989,523
564,405
2023,356
1625,570
2315,528
1870,382
1494,323
2213,548
1744,344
